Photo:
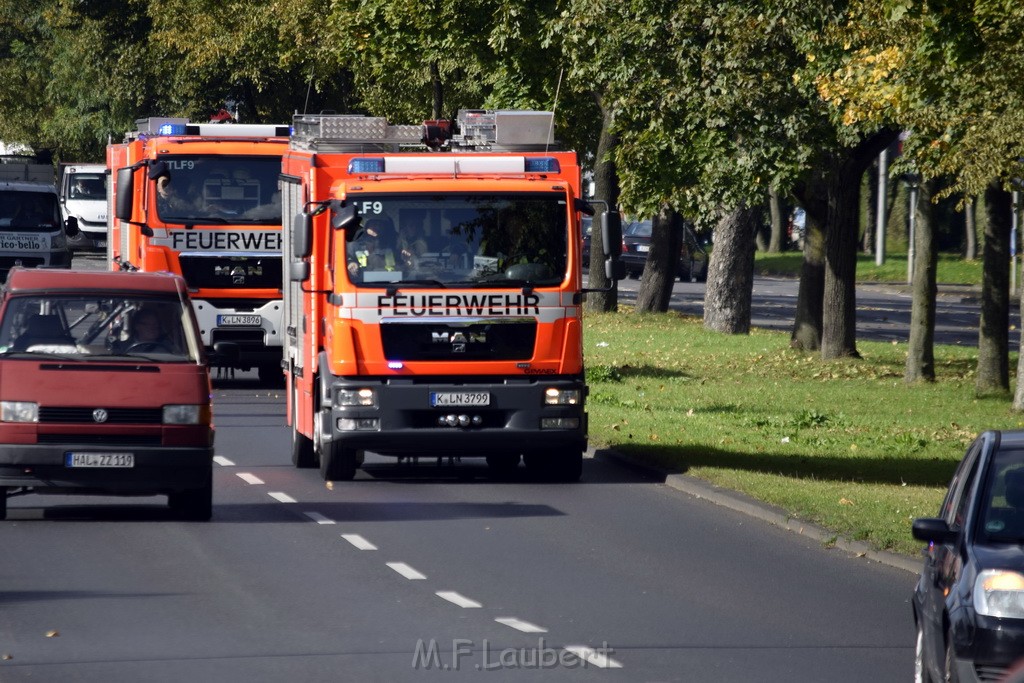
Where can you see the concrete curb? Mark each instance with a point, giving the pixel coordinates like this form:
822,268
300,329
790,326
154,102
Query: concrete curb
744,504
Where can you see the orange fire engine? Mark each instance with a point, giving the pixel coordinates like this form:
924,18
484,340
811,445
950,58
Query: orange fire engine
202,200
433,296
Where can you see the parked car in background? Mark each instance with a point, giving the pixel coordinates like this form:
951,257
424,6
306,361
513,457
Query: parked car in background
969,601
636,245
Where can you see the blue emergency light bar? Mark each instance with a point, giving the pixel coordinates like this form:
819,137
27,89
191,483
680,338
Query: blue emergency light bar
171,129
366,165
542,165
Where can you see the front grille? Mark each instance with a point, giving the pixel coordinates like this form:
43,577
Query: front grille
476,341
232,272
51,415
104,439
991,674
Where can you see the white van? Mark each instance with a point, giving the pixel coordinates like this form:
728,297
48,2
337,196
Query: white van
83,194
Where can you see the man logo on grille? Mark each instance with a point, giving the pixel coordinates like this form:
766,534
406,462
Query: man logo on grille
100,415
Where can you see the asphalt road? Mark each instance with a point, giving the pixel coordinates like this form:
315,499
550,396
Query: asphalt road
433,572
616,578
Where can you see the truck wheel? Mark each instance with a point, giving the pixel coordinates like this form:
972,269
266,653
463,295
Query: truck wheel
303,455
563,466
195,504
503,465
338,463
3,502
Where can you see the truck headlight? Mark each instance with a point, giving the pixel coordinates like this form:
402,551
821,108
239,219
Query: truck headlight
999,593
357,397
561,397
19,411
186,414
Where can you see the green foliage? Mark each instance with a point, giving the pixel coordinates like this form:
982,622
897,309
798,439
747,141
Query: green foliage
749,413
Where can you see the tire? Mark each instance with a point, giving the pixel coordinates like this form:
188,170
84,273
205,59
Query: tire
560,466
3,502
195,505
303,454
921,673
338,463
949,664
503,465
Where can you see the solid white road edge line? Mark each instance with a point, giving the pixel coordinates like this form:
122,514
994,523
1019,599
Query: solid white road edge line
460,600
359,542
406,571
520,625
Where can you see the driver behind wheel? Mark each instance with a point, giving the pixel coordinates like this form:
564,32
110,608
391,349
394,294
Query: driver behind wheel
147,334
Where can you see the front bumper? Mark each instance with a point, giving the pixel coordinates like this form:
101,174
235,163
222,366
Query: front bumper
157,469
407,423
996,647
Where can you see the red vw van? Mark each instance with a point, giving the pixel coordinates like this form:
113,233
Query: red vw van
104,389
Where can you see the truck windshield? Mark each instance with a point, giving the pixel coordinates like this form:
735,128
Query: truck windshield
219,190
29,211
99,327
460,239
87,187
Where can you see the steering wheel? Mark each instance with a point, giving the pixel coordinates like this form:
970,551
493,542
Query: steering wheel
148,347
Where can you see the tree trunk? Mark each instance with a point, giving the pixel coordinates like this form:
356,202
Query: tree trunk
843,178
839,321
655,290
606,188
437,91
921,350
970,231
777,207
810,296
730,285
993,373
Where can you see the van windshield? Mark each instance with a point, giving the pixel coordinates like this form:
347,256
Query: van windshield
99,327
29,211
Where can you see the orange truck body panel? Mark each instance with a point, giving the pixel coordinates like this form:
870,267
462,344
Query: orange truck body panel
458,356
224,237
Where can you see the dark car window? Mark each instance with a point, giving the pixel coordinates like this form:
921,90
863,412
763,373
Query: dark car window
1003,518
954,508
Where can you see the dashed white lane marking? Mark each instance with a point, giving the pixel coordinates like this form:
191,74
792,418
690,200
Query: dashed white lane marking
460,600
222,461
406,571
249,478
520,625
359,542
592,656
318,518
281,497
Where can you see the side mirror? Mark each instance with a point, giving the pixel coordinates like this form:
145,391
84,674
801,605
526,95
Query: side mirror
125,193
611,234
345,218
71,227
584,207
224,353
614,269
933,531
302,236
298,271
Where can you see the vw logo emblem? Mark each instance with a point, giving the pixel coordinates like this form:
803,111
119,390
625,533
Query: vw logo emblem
100,415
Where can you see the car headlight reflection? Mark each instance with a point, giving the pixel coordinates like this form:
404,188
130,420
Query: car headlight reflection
999,593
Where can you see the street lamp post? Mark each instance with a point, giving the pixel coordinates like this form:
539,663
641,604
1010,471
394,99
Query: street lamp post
913,182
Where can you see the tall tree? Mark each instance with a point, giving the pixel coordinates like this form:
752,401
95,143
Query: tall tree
993,373
921,347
